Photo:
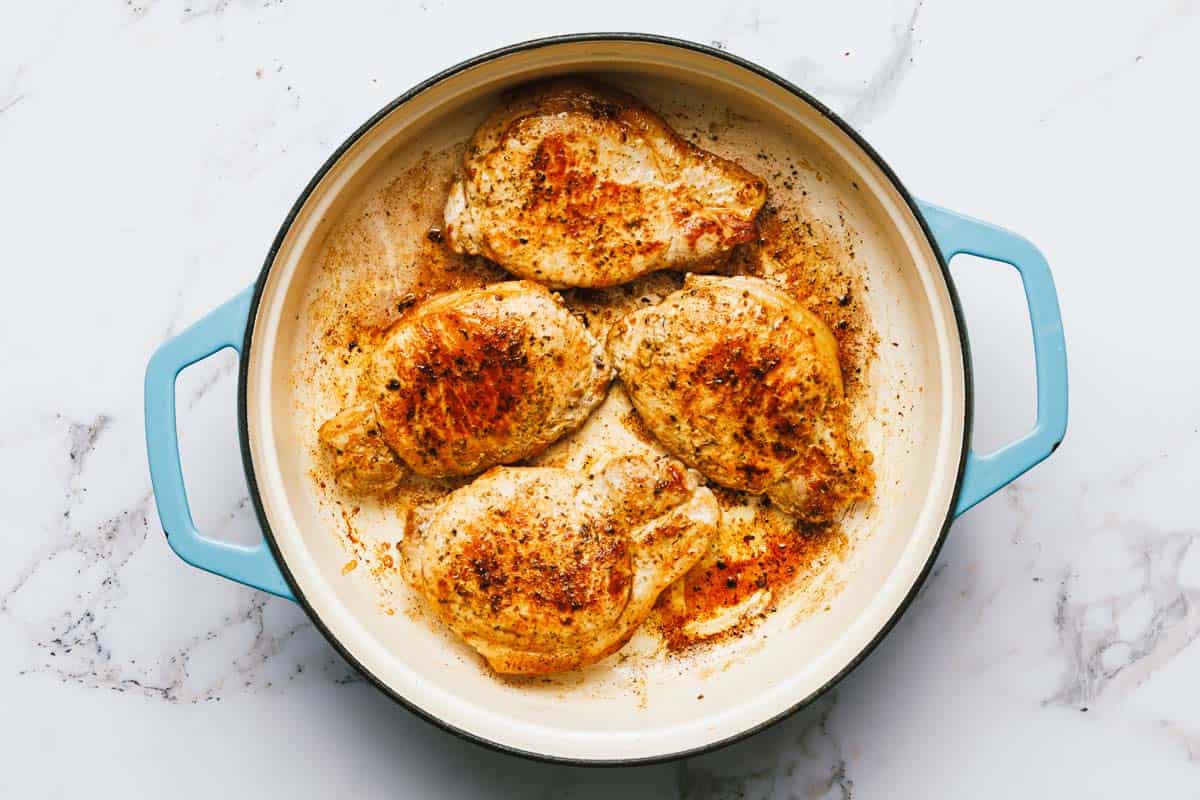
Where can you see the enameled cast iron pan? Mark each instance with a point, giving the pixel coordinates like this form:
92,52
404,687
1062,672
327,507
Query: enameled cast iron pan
928,473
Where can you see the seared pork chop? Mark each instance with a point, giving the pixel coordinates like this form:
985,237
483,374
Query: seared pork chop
572,183
468,380
543,569
741,382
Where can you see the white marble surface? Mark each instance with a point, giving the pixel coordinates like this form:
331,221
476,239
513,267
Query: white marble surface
148,151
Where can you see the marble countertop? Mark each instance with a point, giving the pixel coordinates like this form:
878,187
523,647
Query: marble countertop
150,150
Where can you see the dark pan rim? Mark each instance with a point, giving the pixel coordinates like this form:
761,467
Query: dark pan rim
534,44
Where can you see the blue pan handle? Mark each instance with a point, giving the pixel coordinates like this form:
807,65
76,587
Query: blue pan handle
986,474
254,566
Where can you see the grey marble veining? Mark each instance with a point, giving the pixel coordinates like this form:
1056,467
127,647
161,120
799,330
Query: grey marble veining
150,150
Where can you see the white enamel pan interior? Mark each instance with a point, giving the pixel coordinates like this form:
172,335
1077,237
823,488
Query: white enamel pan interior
652,713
